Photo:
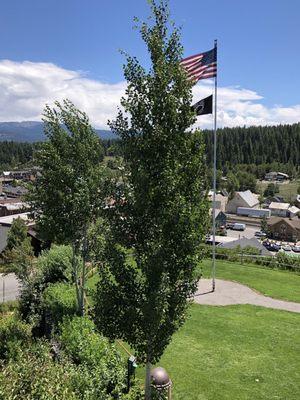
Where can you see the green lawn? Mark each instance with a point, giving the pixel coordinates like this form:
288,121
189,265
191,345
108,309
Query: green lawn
286,190
278,284
238,352
235,353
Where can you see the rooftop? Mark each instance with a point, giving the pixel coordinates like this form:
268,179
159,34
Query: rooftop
279,206
8,220
249,197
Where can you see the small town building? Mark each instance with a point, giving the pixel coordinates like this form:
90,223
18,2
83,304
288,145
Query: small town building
10,208
294,211
221,200
276,176
279,209
221,218
254,212
286,229
242,199
14,191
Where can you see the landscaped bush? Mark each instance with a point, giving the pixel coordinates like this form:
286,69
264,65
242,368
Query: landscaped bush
94,353
56,264
13,334
34,375
8,306
58,301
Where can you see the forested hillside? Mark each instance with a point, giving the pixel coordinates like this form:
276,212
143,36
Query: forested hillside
256,145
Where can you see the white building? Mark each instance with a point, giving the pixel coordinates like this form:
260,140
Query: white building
279,209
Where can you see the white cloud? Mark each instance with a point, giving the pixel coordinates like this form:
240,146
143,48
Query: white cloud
26,87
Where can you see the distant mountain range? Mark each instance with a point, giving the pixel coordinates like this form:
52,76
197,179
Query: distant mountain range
32,131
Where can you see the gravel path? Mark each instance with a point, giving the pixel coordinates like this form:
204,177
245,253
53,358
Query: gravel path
228,293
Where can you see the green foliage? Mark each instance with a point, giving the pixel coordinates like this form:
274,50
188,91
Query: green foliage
271,190
246,181
58,301
13,334
68,196
13,154
34,376
8,306
52,266
84,346
18,253
257,145
160,213
17,234
55,265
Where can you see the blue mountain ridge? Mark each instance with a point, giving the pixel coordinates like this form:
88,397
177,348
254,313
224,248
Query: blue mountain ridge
32,131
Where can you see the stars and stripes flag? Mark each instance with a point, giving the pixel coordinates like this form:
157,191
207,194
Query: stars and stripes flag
201,66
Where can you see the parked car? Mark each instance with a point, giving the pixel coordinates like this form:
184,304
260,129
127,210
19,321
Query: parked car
286,247
239,227
260,234
229,226
296,249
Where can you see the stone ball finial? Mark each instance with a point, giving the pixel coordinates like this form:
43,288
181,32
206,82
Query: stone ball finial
160,378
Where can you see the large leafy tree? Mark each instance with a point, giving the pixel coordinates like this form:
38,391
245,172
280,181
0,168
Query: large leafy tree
159,214
67,198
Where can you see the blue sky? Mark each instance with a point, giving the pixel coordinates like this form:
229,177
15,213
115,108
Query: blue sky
259,50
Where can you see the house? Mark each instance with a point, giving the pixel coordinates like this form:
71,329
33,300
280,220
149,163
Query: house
12,207
245,242
276,176
14,191
242,199
221,218
294,211
287,229
279,209
220,202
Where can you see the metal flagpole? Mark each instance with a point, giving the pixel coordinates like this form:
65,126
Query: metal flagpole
214,183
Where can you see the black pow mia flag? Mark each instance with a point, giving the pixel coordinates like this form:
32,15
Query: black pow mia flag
203,106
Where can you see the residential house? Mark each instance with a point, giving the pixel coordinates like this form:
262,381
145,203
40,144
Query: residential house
242,199
276,176
286,229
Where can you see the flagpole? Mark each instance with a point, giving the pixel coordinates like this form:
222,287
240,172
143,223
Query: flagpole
214,184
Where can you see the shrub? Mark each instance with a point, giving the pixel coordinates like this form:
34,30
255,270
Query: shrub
34,375
94,354
58,301
56,264
13,334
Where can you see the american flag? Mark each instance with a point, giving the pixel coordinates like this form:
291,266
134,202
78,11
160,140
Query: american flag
201,66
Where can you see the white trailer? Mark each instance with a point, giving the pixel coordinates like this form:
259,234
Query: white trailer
254,212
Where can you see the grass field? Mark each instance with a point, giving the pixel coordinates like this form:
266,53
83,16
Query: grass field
235,353
286,190
238,352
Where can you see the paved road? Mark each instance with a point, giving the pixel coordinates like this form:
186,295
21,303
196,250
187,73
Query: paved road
9,287
229,293
247,233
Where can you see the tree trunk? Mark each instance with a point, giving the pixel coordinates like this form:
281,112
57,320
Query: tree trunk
148,381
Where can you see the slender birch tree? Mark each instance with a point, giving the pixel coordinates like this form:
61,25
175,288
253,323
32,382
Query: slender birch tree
67,198
160,213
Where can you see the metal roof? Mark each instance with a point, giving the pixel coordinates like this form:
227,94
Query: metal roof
249,198
279,206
